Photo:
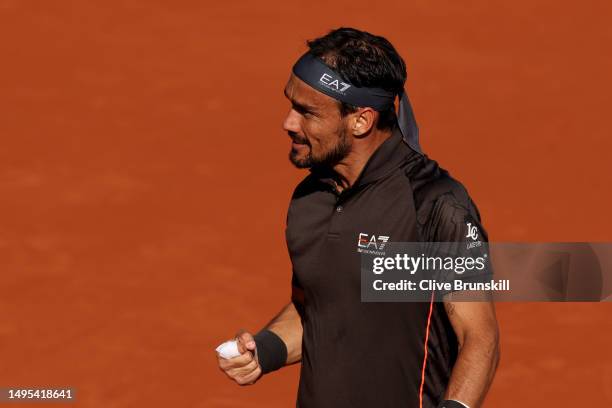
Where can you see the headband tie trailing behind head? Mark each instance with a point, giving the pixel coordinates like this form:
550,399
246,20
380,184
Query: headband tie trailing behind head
318,75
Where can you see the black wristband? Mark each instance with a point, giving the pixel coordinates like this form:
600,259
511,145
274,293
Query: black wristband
271,351
451,404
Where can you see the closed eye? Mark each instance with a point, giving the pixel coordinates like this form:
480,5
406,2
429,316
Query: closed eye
300,109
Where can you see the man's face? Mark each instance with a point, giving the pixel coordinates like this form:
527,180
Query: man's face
318,132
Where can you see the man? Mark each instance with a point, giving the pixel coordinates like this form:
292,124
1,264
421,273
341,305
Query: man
367,176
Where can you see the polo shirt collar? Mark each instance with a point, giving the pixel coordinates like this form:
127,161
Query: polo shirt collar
386,158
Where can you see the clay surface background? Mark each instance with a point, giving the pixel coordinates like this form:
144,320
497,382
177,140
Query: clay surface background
144,181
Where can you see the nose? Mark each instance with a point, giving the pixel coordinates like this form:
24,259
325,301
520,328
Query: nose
292,122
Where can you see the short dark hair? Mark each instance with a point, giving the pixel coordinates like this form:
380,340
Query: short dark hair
365,60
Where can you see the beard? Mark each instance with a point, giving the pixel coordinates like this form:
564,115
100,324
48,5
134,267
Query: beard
328,158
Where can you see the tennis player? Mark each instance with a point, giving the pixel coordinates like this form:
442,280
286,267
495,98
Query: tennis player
368,182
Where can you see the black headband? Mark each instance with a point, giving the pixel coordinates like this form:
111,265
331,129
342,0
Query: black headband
318,75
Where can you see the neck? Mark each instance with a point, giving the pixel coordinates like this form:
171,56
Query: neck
349,168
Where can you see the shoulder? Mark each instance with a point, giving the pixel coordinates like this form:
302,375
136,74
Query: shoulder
445,210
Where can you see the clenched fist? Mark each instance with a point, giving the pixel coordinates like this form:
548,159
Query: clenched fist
244,369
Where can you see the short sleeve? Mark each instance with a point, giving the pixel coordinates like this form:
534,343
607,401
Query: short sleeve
455,220
455,229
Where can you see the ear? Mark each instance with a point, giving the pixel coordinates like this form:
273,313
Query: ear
363,121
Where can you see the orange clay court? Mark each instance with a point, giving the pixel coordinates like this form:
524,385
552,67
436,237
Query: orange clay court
144,182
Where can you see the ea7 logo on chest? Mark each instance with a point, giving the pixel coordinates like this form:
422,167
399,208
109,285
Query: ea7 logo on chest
334,84
371,244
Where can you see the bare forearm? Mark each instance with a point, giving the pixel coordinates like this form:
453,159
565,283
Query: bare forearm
288,326
474,370
477,333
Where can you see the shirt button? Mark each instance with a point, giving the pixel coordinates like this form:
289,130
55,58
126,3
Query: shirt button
339,209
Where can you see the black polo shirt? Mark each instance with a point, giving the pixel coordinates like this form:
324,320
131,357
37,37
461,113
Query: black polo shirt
358,354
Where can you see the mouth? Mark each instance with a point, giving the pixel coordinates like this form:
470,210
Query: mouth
297,147
298,144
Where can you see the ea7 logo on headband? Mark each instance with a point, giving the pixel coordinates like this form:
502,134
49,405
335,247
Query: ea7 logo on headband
334,84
